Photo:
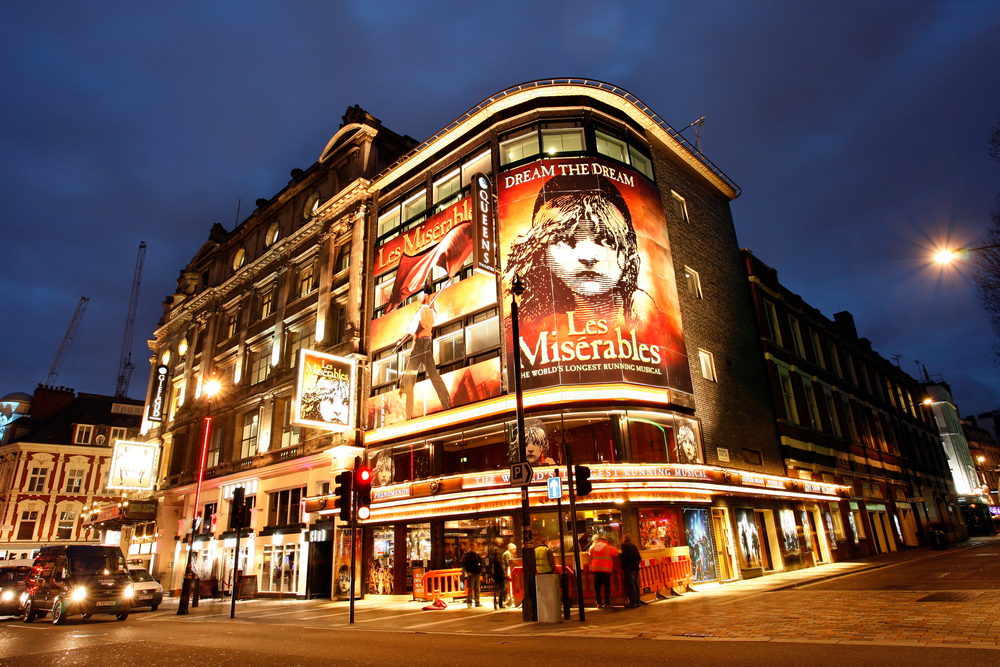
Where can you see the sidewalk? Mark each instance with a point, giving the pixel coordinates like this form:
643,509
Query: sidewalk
703,594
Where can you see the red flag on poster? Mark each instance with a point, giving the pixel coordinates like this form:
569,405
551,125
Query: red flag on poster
449,254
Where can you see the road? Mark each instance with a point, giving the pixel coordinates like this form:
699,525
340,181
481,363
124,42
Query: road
871,617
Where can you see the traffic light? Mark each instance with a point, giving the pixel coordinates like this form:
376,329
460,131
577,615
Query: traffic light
342,502
363,478
583,485
237,508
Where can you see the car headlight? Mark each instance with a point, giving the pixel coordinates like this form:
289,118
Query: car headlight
129,591
8,595
24,597
79,593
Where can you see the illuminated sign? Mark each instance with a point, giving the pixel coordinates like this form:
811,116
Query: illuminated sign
133,465
484,252
587,238
607,473
767,482
324,392
388,493
160,385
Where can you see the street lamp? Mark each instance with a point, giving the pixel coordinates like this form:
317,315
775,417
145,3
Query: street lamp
946,255
211,388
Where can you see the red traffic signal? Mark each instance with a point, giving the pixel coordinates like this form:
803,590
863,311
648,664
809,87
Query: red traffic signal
363,479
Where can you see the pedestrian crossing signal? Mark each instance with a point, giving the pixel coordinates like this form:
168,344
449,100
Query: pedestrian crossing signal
345,484
583,485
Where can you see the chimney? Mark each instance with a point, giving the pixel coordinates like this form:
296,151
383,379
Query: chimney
51,401
845,321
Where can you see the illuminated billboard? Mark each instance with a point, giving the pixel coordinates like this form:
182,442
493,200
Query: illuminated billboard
324,392
435,304
588,239
133,465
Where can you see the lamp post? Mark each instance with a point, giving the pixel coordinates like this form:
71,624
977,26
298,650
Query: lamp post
528,605
211,388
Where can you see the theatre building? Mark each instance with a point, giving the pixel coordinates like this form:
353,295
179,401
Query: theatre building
365,311
637,345
848,416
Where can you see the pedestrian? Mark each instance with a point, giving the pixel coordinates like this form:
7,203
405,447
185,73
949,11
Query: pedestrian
631,560
472,568
602,564
545,560
508,564
497,553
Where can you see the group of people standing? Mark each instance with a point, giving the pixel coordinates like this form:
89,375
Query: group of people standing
602,564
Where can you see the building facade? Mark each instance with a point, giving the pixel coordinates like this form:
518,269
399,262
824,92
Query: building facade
56,451
848,416
637,343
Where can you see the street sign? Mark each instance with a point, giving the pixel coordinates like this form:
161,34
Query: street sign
520,474
554,487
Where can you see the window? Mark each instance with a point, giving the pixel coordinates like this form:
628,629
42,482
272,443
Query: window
266,303
864,377
813,407
447,187
284,508
260,364
693,282
831,408
83,434
248,443
680,206
26,529
788,396
613,147
36,481
117,433
413,207
519,146
105,476
480,164
288,435
64,531
562,138
852,426
297,339
836,360
272,235
307,279
74,480
387,222
797,344
214,448
850,369
339,323
753,456
208,518
817,348
239,259
343,258
772,322
311,206
232,323
642,163
707,365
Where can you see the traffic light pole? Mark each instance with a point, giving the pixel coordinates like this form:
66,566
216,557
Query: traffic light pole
576,535
354,535
234,591
529,612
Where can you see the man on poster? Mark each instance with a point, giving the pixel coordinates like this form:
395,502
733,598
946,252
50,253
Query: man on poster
421,330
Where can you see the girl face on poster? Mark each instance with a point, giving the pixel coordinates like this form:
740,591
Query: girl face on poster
581,243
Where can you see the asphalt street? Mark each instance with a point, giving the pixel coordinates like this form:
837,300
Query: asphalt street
915,608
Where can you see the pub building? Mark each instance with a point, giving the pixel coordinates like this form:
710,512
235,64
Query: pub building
365,311
638,348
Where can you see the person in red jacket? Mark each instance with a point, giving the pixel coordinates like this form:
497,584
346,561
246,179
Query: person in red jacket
602,564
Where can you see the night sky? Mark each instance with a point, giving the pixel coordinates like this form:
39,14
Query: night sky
856,130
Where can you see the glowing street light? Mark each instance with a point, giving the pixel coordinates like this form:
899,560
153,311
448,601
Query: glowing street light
211,388
947,255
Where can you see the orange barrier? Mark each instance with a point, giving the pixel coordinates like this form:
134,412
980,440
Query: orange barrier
650,579
517,582
676,572
443,583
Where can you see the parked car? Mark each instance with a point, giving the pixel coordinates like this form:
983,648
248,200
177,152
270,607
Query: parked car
13,582
78,579
148,592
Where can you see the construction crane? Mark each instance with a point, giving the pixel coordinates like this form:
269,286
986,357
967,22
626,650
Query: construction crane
67,342
125,366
